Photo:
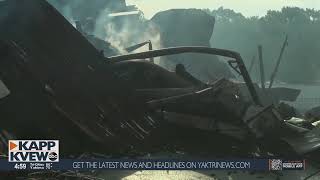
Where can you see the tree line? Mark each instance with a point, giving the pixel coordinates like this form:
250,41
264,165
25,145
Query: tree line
301,59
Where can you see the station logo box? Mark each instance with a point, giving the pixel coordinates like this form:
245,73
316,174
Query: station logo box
33,151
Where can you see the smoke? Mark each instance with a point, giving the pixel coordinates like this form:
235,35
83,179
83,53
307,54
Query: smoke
127,30
120,31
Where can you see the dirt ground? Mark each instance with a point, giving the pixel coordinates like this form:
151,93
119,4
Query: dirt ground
210,175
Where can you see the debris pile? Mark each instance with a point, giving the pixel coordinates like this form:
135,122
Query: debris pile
55,84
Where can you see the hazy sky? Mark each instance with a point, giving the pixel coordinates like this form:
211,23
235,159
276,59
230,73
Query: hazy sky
246,7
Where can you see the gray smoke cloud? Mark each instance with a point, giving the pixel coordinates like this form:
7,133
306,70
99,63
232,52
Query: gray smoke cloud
122,32
119,31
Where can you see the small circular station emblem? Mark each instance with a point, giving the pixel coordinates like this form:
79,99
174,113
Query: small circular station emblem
53,156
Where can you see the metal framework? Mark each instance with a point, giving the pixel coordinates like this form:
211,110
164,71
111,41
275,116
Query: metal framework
196,49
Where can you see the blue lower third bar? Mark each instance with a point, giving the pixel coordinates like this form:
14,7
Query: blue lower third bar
153,164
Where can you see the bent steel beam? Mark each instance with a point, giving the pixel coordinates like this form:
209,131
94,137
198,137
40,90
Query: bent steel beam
194,49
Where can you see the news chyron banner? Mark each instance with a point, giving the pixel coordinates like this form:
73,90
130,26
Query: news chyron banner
44,155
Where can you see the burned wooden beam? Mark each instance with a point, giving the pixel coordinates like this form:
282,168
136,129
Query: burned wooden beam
252,63
274,73
262,75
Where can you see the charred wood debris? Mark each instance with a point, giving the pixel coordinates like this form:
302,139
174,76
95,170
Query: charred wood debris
56,85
